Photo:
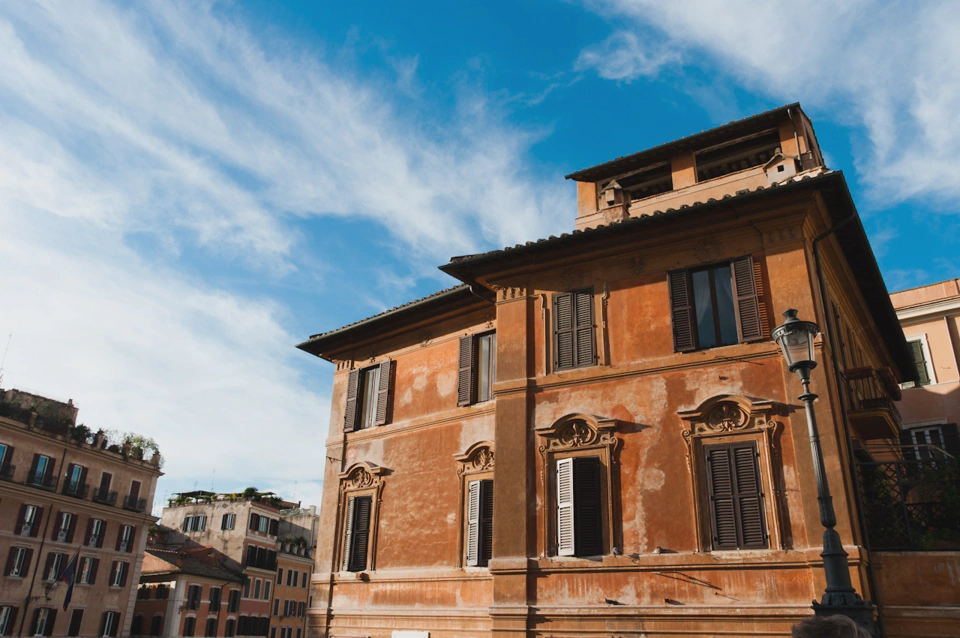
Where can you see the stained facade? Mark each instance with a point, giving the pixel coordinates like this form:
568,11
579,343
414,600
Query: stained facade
594,435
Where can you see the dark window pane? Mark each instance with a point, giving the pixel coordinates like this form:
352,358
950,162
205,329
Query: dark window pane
703,300
727,316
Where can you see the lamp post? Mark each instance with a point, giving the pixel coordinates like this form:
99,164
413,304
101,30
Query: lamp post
795,338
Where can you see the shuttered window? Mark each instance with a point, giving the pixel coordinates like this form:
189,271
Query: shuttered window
920,362
717,305
579,507
356,533
369,397
573,330
477,368
479,522
736,497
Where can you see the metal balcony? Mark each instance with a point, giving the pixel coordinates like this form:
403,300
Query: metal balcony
105,497
7,471
76,490
134,504
872,395
45,481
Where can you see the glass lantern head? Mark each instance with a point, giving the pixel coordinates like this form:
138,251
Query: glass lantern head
795,338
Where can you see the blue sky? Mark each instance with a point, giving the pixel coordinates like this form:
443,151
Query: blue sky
187,190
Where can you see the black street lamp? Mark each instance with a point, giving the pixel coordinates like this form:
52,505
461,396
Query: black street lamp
795,338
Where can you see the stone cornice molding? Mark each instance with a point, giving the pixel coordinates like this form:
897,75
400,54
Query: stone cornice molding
479,457
361,476
579,431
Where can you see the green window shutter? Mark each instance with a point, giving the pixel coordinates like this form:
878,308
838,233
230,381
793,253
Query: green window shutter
565,518
587,506
747,302
563,331
350,410
920,362
385,393
467,372
473,522
681,309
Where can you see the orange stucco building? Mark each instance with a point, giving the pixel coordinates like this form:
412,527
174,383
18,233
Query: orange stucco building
594,435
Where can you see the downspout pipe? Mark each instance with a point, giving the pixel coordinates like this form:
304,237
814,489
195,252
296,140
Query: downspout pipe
844,409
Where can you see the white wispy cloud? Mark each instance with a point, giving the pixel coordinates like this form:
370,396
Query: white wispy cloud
892,69
178,123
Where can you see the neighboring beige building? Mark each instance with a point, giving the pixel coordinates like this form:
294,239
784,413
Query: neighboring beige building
930,316
65,491
267,540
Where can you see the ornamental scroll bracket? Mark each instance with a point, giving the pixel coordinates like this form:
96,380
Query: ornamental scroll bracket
579,431
361,476
479,457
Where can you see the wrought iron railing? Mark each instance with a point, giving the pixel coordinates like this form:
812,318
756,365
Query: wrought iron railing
134,503
872,388
106,497
7,471
77,490
911,504
43,480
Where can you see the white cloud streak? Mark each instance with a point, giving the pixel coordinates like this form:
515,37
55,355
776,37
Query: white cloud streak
175,122
891,68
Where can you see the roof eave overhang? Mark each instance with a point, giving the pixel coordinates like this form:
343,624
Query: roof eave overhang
851,237
696,141
459,299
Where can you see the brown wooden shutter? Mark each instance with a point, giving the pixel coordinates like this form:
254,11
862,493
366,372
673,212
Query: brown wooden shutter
585,332
28,560
587,512
93,570
66,482
89,532
131,547
51,619
467,372
254,522
21,520
723,518
105,479
134,490
361,533
36,622
563,331
31,476
37,521
734,487
274,527
51,556
750,497
76,620
11,560
13,618
83,476
103,533
384,393
485,552
747,304
73,528
57,525
124,568
350,411
762,299
681,308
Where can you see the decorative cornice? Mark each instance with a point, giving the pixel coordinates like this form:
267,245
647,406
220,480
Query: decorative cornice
727,413
360,476
479,457
576,431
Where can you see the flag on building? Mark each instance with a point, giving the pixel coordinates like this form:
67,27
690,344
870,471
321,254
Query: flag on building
69,576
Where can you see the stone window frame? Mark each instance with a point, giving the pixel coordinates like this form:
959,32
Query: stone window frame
575,435
360,479
729,418
475,464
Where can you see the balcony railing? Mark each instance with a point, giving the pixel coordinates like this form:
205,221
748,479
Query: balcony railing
134,503
7,471
46,481
106,497
77,490
873,394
